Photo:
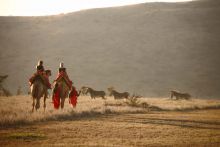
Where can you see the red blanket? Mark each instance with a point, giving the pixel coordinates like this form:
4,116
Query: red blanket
66,78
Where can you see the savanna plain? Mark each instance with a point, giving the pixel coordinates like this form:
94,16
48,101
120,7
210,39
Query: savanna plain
139,122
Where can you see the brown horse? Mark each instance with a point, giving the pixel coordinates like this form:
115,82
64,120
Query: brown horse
38,90
63,88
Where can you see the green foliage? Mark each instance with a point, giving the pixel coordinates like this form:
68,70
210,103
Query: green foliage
26,136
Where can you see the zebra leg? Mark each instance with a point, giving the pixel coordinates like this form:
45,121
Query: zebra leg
177,97
92,97
171,95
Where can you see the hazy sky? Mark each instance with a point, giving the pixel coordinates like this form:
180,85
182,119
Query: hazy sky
51,7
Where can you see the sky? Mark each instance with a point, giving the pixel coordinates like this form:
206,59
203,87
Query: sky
53,7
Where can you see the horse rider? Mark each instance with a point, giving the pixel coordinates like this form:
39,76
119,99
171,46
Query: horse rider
42,73
63,74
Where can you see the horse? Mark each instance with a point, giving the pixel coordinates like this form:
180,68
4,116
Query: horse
62,89
118,95
179,95
94,93
38,90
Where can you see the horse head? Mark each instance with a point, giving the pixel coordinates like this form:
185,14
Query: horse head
48,72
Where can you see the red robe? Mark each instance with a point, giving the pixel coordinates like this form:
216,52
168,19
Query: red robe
73,97
56,98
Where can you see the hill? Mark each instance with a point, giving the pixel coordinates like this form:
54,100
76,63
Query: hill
147,48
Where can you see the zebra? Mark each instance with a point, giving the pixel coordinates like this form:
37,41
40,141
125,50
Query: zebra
179,95
83,90
94,94
118,95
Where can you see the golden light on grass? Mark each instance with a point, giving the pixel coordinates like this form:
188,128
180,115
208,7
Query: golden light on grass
111,123
17,109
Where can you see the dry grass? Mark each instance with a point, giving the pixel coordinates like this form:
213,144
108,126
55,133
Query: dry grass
183,105
16,110
94,123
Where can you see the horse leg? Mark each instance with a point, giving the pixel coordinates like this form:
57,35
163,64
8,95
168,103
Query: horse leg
37,104
45,97
33,104
62,102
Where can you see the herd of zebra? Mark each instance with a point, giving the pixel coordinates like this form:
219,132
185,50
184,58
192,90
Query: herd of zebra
102,94
95,94
118,95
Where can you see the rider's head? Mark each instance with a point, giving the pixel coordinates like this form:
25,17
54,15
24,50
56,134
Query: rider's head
40,62
61,65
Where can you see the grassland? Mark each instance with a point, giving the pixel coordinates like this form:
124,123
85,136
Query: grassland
111,123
